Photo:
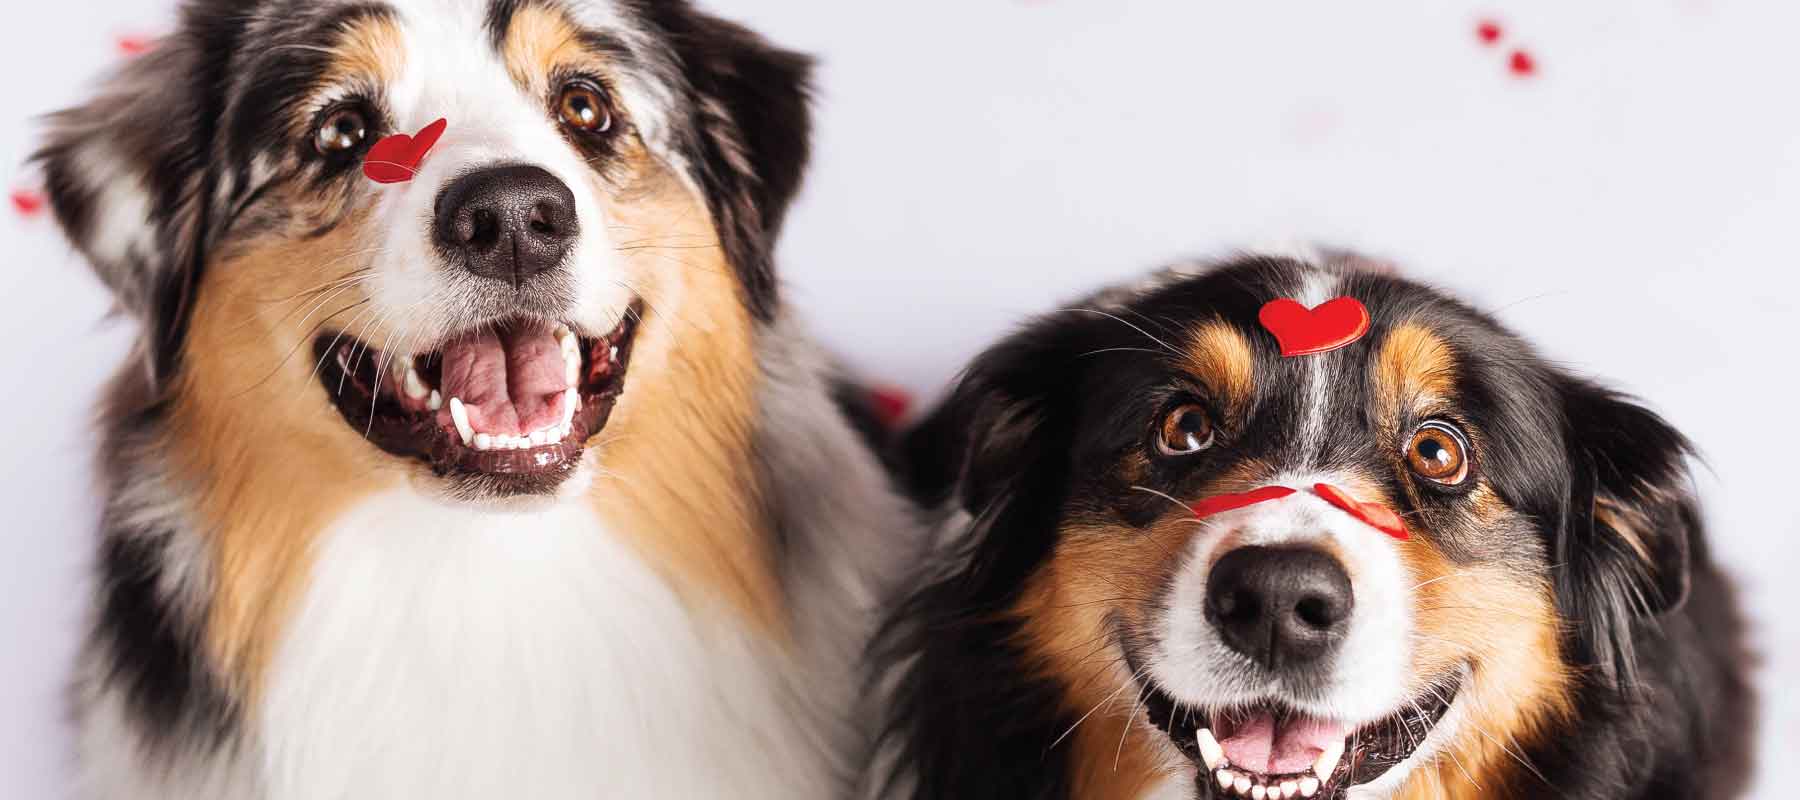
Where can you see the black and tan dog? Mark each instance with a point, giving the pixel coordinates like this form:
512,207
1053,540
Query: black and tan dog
1160,576
512,479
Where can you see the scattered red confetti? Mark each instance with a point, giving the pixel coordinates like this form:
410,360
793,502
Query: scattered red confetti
28,202
396,158
1522,64
1221,503
1303,331
1489,31
1376,515
891,405
131,45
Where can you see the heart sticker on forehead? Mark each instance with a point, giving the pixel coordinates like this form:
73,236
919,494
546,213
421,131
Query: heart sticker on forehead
1302,331
396,158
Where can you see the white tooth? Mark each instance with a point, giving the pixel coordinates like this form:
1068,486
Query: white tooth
484,442
572,367
1328,761
1225,777
436,401
571,399
1209,748
415,386
564,431
401,365
460,416
539,438
613,354
1241,784
561,333
1257,792
518,442
1309,786
1288,788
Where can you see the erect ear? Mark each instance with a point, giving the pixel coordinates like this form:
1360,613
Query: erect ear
128,178
1624,551
752,130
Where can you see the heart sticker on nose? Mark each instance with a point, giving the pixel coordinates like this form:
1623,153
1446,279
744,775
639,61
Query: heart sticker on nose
396,158
1221,503
1376,515
1302,331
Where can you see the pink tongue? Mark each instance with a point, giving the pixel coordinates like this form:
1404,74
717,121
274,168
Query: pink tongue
1259,744
512,381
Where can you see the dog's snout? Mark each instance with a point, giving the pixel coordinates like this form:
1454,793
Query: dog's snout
508,223
1283,607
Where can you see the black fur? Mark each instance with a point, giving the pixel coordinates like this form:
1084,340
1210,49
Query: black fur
1029,437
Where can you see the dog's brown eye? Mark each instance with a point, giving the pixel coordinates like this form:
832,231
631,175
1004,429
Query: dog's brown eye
582,108
1437,453
341,131
1185,430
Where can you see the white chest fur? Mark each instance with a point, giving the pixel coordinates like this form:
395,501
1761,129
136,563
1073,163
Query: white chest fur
447,653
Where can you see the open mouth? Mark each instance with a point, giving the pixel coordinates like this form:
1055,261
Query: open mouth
1271,750
514,401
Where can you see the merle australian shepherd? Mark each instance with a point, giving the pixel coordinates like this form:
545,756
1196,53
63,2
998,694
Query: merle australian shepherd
515,479
1177,564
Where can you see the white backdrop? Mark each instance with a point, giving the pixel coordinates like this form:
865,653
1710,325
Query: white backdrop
1631,205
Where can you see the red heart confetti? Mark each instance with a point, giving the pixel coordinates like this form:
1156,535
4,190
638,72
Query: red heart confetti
1522,64
1488,31
132,45
28,202
396,158
1221,503
1376,515
891,405
1334,324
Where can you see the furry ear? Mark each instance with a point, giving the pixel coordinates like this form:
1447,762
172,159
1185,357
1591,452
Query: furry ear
1624,550
128,179
752,133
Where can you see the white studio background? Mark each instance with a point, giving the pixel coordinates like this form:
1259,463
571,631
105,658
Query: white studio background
1632,206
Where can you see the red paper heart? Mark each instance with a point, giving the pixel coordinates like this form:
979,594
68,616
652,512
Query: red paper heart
396,158
1376,515
1221,503
1522,64
28,202
1488,31
890,405
131,45
1334,324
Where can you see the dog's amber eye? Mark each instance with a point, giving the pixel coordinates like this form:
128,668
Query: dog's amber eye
341,131
1438,453
582,108
1186,429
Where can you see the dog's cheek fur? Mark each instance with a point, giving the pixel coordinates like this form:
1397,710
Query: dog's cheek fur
1501,620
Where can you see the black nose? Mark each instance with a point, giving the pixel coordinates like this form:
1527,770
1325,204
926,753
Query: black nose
1282,607
507,223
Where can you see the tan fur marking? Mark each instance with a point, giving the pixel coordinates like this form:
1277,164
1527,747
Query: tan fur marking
371,50
538,41
269,459
1218,354
1413,367
1504,624
679,440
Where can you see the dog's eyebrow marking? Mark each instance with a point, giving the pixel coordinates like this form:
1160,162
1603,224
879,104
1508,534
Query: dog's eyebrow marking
1414,366
1220,355
534,39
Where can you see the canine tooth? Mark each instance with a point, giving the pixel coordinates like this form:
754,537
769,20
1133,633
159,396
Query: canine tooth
613,354
1309,786
1210,751
1242,784
415,386
1328,761
484,442
571,398
1288,788
436,401
1257,792
1225,777
460,416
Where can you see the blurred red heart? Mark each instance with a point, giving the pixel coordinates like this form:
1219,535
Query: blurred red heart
133,45
28,202
1489,31
1376,515
1221,503
396,158
1522,64
890,405
1334,324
